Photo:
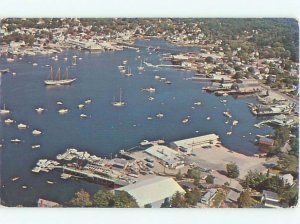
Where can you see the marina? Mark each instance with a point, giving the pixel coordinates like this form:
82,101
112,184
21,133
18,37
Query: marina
168,116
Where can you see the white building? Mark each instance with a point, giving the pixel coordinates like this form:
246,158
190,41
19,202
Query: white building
187,145
152,191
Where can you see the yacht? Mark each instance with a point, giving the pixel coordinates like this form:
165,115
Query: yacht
59,81
36,132
39,109
4,110
63,111
8,121
22,126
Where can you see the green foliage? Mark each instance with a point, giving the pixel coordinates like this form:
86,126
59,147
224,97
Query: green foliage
245,200
192,197
166,204
232,170
253,179
148,206
179,175
281,135
193,173
81,199
178,201
210,179
288,163
273,183
103,199
125,200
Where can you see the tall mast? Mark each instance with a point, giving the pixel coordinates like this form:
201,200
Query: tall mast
120,95
51,73
67,73
58,73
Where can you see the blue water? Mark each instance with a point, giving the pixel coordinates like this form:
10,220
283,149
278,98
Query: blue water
109,129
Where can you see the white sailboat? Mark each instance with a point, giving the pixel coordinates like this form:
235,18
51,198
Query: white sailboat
141,67
129,72
119,103
4,110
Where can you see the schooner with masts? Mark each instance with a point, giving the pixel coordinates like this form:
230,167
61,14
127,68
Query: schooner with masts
57,82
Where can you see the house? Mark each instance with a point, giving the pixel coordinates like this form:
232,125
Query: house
270,199
152,191
266,141
208,196
120,163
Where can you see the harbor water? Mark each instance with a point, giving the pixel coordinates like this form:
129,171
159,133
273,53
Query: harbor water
107,129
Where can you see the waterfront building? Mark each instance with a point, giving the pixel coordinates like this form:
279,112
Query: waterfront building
187,145
42,203
166,155
152,191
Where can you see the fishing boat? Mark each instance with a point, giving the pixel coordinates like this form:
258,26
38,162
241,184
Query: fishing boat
36,132
4,110
227,114
22,126
63,111
59,81
16,140
8,121
119,103
35,146
39,109
83,116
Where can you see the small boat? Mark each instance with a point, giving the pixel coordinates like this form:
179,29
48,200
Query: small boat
80,59
119,103
129,73
15,178
4,110
16,140
36,132
228,133
63,111
125,62
47,65
235,122
149,118
168,82
150,90
83,116
80,106
22,126
35,146
36,169
39,109
157,77
227,114
208,118
14,73
88,101
197,103
184,121
8,121
35,64
50,182
10,59
66,59
59,103
160,115
24,187
151,98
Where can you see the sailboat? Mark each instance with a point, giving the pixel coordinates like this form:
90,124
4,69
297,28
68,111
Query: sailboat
141,67
4,111
119,103
58,82
74,60
129,72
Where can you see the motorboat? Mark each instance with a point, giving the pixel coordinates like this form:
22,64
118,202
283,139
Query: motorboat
16,140
197,103
59,103
235,122
39,109
184,121
88,101
227,114
22,126
8,121
35,146
36,132
80,106
83,116
159,115
63,111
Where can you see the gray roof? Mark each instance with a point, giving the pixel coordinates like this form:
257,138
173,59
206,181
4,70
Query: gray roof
152,190
270,195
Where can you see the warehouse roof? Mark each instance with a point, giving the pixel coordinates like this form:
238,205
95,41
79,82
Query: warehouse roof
196,141
152,190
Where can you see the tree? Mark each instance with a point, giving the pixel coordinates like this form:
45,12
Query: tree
288,163
245,200
125,200
210,179
281,135
232,170
192,197
81,199
166,204
179,175
253,178
274,183
178,201
103,199
209,60
148,206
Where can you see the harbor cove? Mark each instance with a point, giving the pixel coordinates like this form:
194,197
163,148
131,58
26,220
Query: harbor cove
85,118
